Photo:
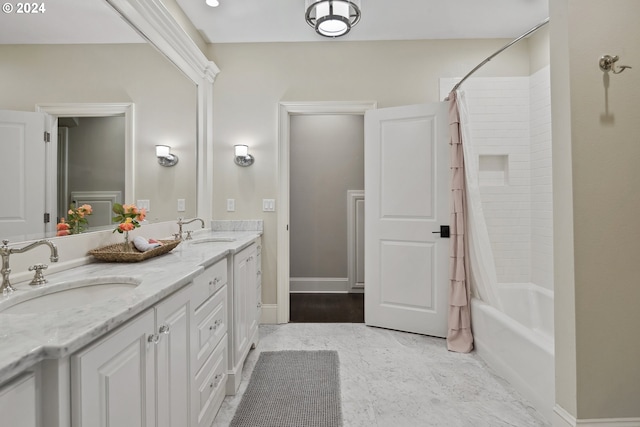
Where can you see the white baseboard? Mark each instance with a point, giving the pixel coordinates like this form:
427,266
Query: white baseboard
318,284
269,314
561,418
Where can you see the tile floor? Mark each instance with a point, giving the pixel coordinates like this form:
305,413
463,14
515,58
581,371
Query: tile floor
397,379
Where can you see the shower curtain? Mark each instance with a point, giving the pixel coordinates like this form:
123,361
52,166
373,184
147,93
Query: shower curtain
472,266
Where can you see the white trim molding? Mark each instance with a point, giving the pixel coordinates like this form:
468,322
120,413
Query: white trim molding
269,314
155,23
323,285
562,418
285,111
354,251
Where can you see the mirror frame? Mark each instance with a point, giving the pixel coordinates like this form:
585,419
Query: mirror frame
154,22
56,110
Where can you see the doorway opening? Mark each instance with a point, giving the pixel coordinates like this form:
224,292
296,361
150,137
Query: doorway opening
64,114
326,239
331,283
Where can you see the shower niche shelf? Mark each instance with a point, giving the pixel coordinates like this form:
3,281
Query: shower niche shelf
493,170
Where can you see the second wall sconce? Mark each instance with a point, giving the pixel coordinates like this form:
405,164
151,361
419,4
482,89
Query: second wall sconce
165,158
242,156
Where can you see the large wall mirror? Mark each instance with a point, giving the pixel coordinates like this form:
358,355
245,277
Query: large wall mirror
83,53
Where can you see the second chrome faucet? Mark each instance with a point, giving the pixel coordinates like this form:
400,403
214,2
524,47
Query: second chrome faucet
181,223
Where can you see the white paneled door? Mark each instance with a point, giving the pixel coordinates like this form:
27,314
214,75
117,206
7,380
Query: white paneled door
407,200
22,187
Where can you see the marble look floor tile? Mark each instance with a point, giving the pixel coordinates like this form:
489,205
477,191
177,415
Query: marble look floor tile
397,379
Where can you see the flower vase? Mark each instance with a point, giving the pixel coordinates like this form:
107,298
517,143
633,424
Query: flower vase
126,247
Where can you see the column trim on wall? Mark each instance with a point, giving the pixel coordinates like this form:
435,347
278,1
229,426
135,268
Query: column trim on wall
353,197
156,24
285,111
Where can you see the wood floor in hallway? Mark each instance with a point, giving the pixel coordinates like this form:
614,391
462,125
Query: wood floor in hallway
327,308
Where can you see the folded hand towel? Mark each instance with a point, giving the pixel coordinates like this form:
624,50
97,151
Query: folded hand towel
143,245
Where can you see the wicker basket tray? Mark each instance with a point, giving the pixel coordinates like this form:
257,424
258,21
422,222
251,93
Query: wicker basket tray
116,253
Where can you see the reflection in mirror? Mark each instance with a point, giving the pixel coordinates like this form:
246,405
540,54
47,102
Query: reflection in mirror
36,72
91,169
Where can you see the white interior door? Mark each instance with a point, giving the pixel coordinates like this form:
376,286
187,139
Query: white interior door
407,200
23,166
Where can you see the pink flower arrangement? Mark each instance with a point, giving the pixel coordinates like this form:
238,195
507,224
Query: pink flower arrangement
128,217
76,221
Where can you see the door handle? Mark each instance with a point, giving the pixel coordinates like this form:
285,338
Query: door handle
444,231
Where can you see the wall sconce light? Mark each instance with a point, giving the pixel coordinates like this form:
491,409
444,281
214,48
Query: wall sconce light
243,158
165,158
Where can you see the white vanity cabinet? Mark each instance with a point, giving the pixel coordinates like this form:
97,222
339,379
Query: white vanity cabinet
209,344
18,401
116,380
245,303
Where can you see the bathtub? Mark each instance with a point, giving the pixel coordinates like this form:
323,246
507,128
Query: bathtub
517,343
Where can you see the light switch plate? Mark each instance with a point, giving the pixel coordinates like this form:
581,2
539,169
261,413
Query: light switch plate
144,204
268,205
181,205
231,205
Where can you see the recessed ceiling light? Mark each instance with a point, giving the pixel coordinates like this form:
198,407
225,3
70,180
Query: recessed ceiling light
213,3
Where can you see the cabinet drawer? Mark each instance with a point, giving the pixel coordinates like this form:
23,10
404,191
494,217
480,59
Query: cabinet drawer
210,281
211,325
211,384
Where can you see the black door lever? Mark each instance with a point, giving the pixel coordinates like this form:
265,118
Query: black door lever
444,231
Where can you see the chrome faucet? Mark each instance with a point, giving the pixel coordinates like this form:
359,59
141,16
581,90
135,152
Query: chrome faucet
5,252
181,223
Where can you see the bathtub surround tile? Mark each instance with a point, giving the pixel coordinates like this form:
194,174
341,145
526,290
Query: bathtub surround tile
237,225
391,378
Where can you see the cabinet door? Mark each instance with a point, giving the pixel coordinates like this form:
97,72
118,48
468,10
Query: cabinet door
18,402
173,326
113,381
240,326
252,295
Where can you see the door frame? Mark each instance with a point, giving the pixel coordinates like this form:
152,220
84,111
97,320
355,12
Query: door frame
56,110
285,111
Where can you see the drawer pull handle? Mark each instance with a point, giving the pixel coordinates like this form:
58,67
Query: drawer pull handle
164,329
153,339
217,379
215,325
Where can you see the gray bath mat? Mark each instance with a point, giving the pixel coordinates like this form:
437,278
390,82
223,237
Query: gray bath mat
292,389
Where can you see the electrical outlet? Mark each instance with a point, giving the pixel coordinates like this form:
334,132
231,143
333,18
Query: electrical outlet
268,205
144,204
181,205
231,205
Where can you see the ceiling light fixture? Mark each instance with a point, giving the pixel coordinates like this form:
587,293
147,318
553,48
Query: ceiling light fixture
212,3
332,18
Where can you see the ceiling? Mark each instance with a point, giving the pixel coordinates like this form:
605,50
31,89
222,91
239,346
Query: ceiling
237,21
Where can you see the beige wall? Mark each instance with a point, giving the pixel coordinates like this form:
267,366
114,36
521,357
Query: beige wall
596,177
539,49
255,77
165,105
327,160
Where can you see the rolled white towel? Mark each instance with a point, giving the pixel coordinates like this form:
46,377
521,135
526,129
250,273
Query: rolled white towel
143,244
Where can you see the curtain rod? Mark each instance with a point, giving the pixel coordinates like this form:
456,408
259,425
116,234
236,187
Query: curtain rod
480,65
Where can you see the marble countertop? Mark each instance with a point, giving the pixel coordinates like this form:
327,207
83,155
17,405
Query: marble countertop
26,339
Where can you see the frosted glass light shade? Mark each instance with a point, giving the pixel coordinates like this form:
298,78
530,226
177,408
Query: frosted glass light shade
212,3
162,150
241,150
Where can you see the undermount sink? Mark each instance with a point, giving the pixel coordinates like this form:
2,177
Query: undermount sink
214,240
68,295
